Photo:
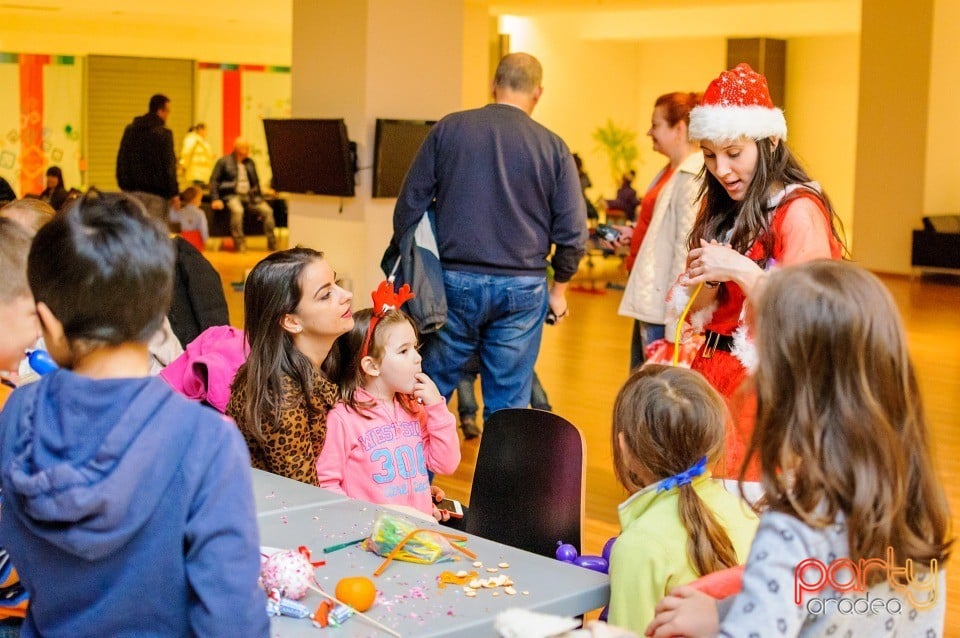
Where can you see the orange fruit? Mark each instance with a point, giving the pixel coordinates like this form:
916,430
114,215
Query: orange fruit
357,591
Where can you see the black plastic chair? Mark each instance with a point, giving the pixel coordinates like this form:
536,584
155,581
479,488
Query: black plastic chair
528,486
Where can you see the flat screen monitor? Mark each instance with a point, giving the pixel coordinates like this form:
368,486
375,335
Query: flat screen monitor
395,145
310,156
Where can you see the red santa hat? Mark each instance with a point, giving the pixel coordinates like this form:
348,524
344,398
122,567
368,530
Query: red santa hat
737,104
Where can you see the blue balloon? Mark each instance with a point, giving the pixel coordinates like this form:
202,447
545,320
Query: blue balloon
41,362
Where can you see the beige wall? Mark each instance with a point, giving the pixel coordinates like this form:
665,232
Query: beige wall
588,81
893,110
477,31
942,191
360,60
821,111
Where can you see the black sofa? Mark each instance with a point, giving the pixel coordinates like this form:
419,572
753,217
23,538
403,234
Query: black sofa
938,244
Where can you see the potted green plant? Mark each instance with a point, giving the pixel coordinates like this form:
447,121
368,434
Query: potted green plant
620,145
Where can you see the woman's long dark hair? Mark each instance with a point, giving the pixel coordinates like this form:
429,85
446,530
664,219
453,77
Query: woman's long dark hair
273,290
749,221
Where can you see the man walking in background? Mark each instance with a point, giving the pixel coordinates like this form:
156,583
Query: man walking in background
234,184
506,190
146,163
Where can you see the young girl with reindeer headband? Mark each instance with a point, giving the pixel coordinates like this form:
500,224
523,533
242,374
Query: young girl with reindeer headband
392,425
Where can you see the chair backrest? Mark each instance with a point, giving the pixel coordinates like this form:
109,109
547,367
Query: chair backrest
528,486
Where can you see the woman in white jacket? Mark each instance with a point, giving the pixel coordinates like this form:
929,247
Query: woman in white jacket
658,243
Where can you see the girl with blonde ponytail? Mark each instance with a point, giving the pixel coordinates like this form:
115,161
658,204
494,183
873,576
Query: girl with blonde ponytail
679,523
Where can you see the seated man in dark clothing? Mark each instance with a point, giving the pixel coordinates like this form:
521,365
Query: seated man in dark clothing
234,184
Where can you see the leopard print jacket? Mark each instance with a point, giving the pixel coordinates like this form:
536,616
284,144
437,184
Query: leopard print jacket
293,444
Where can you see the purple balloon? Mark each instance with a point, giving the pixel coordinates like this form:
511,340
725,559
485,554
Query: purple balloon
596,563
608,548
566,552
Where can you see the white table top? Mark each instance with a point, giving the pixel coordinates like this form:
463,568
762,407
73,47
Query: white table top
410,601
278,494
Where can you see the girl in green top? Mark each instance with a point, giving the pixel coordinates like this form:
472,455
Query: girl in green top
679,523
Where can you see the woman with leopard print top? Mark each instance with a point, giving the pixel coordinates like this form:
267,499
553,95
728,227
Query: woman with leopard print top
280,397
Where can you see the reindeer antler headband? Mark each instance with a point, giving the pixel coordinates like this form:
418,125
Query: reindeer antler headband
385,298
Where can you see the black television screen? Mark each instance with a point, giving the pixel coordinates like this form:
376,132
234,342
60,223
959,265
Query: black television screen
310,156
395,145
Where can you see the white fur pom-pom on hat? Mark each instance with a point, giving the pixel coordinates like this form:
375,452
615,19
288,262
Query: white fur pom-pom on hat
737,104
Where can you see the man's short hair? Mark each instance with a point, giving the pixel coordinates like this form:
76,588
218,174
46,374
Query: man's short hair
519,72
158,101
14,247
105,269
31,212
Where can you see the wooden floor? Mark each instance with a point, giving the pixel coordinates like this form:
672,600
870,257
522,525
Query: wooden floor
584,361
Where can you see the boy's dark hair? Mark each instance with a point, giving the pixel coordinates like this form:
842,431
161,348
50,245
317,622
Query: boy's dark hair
104,269
157,102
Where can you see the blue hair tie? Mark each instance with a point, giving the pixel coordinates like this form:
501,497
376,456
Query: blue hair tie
684,478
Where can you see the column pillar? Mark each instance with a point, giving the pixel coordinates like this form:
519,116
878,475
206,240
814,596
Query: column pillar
891,155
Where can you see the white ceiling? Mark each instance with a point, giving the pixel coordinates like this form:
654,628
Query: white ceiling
161,12
277,14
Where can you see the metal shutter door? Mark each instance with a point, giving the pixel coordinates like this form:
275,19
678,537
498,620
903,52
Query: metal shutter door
119,89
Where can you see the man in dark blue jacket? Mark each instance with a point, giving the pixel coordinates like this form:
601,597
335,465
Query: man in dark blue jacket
146,162
234,184
506,191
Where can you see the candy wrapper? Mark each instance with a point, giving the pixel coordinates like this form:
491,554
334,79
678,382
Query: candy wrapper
397,538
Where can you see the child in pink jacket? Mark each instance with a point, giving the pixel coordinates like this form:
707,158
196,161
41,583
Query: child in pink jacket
392,425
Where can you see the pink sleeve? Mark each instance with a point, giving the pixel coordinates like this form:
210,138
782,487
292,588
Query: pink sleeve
333,457
441,445
805,233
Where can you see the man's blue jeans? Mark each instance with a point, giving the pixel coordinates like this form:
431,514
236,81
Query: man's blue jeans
500,318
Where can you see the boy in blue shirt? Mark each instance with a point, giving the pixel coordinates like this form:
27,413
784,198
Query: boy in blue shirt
127,509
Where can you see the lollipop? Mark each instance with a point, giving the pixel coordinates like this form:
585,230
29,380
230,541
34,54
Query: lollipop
289,571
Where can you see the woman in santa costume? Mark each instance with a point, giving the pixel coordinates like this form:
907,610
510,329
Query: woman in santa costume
760,210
